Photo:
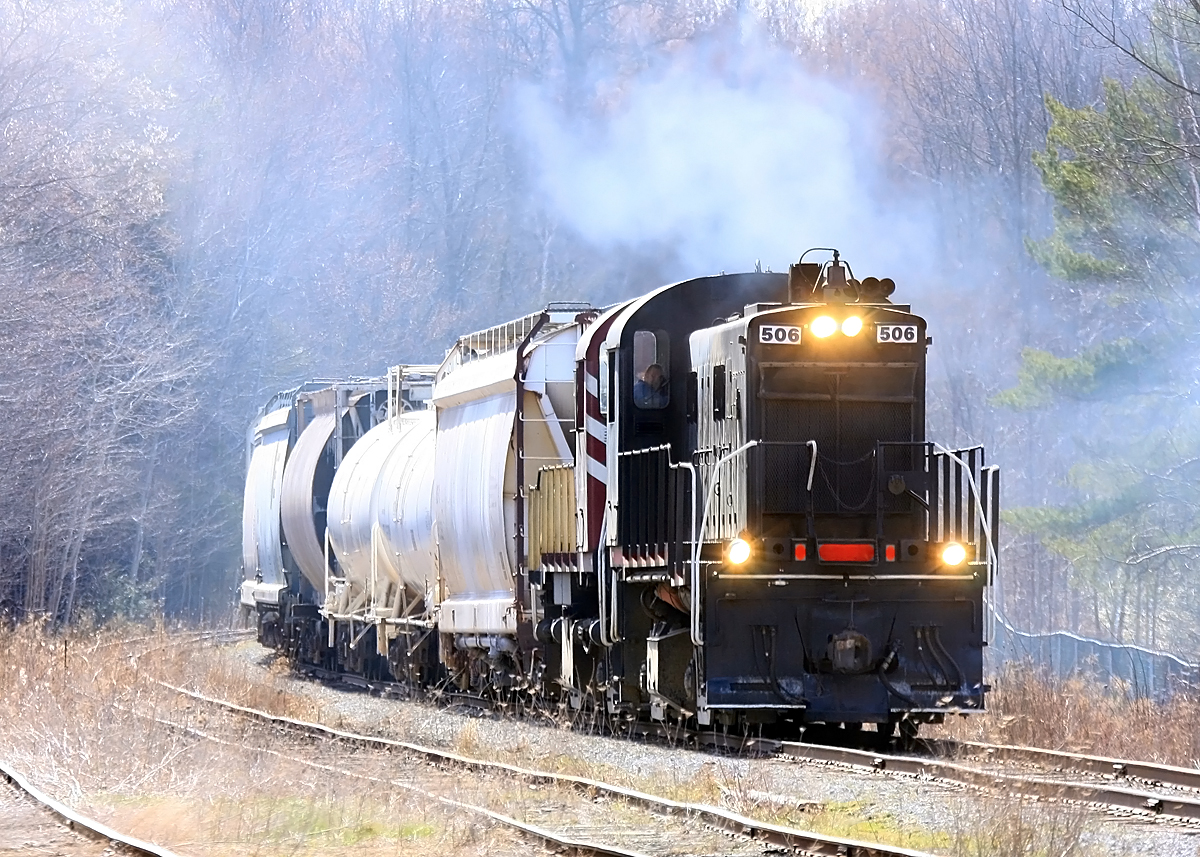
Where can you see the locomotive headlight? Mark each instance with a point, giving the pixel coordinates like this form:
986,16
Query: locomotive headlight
954,554
822,326
852,326
738,551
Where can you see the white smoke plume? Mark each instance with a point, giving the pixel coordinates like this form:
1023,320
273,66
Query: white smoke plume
727,152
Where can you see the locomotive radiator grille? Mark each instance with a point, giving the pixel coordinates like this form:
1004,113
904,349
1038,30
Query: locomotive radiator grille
844,478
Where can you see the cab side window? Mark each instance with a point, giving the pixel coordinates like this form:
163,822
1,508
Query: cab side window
718,391
651,367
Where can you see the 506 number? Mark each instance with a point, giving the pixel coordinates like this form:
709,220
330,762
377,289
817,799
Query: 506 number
896,333
779,334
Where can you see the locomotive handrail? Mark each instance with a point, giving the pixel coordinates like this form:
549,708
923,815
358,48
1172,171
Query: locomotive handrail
982,484
811,444
990,478
627,453
975,496
691,469
697,637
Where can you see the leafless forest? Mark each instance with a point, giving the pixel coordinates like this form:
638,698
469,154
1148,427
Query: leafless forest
204,202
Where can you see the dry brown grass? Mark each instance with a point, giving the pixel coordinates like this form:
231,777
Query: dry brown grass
222,677
1027,707
1008,826
78,715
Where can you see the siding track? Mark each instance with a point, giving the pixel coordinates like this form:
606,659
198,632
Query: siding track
773,836
80,823
1141,788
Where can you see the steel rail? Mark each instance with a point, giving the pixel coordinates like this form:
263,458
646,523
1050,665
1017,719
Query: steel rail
1177,807
79,822
1182,808
169,638
1174,806
1171,776
804,841
558,840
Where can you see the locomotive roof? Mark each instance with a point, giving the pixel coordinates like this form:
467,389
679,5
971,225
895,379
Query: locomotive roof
757,285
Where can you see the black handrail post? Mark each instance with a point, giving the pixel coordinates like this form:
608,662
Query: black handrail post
973,511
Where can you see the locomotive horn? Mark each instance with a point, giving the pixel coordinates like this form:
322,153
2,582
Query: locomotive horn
837,287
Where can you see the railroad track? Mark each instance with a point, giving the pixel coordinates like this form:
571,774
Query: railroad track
559,841
80,823
220,635
1137,788
1141,788
1171,790
1150,773
1129,787
776,836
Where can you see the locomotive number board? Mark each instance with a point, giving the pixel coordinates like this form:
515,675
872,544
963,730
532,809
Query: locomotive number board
779,334
905,333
